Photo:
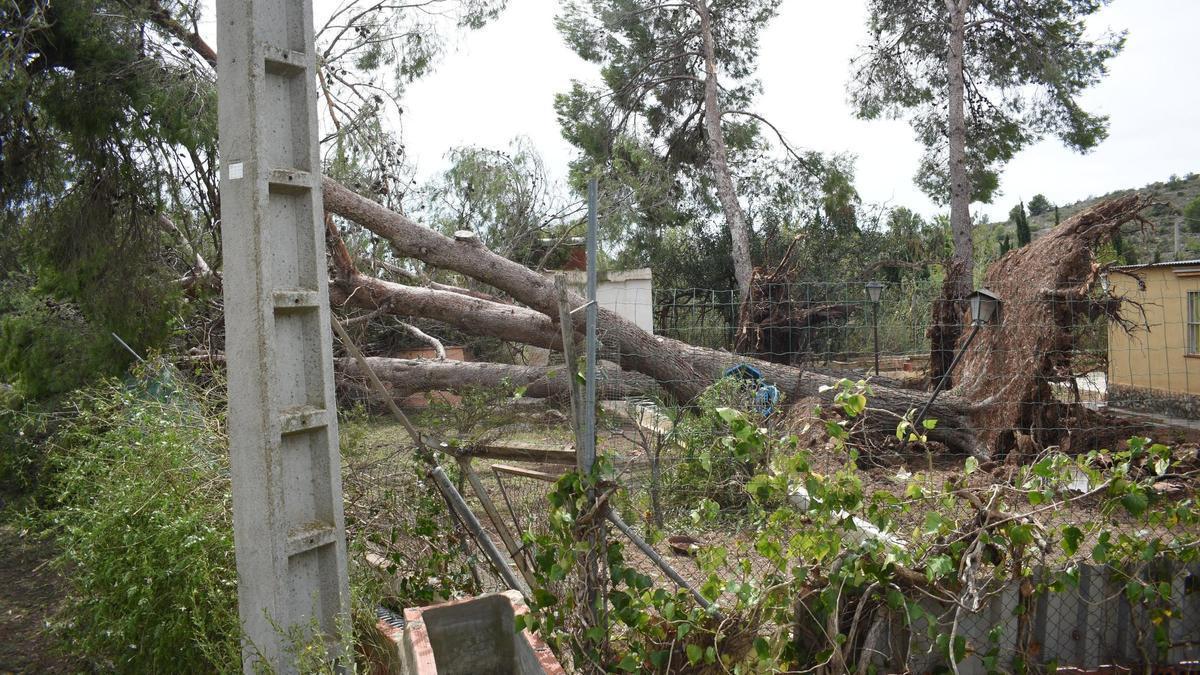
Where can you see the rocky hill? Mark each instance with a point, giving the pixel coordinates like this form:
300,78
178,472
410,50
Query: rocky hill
1170,198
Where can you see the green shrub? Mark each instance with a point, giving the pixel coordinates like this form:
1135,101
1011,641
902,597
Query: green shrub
24,427
48,347
142,495
707,463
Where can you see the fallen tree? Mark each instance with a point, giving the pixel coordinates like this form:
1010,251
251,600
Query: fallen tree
684,370
681,369
776,326
405,377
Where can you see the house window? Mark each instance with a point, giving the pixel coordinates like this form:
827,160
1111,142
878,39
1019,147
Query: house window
1193,322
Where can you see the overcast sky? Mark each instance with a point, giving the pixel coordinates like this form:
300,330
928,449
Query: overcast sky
500,82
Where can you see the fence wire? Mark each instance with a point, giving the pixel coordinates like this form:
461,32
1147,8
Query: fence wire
1105,382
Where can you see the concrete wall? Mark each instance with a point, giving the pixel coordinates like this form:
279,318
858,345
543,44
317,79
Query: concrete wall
473,636
1090,626
629,293
1155,362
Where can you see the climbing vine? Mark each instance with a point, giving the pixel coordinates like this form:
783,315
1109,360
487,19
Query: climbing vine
827,567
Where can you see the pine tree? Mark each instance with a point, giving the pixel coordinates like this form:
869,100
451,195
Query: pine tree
1026,61
1039,205
679,89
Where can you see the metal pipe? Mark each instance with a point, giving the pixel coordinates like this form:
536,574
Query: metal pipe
946,376
658,560
875,325
587,448
570,357
489,507
498,559
527,550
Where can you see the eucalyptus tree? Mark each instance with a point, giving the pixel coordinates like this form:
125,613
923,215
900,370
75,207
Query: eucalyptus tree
677,88
979,80
369,51
507,197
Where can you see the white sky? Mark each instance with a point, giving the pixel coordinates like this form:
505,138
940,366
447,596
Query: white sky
500,83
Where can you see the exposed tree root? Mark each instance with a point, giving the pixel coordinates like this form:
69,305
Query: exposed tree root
1048,289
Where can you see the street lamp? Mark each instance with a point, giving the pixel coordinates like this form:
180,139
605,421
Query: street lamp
874,290
985,309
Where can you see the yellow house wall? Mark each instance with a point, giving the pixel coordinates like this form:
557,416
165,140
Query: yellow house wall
1157,359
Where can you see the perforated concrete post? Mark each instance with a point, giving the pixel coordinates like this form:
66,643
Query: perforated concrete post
283,441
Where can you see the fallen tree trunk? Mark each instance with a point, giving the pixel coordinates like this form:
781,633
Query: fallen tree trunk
405,377
473,315
681,369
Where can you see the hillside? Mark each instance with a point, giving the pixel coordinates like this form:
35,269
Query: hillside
1158,243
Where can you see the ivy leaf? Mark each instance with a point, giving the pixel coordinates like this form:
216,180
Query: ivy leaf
939,567
694,654
970,466
629,663
1044,468
544,598
762,648
960,648
933,522
1072,536
728,415
1135,502
1160,466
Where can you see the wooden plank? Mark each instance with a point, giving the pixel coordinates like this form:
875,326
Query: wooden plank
521,453
526,473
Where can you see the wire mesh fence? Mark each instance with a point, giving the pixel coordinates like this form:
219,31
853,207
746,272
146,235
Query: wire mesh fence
1030,533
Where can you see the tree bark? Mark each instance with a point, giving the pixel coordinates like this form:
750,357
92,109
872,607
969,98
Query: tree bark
473,315
404,377
946,327
718,159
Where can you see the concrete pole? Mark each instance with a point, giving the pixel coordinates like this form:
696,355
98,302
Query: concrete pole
289,532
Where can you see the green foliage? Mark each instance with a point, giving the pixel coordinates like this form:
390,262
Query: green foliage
98,127
1039,205
840,550
507,198
656,626
1016,95
642,135
1021,222
1191,215
49,347
717,450
141,507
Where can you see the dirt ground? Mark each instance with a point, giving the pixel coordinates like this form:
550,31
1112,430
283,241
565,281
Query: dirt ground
30,593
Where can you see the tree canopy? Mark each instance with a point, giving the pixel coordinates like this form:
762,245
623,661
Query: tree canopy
1025,63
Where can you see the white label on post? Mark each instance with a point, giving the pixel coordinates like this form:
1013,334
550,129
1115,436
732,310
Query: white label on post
235,171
